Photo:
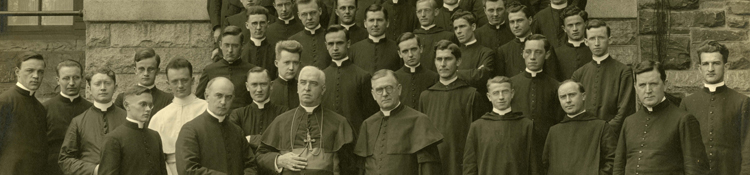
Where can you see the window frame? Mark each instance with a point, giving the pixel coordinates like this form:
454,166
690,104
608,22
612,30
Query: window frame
78,27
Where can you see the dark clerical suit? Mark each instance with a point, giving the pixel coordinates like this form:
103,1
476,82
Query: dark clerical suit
262,55
571,57
282,30
477,64
413,81
284,93
536,97
584,144
255,118
348,92
133,149
161,100
82,148
428,39
373,56
23,126
219,10
609,90
236,72
501,145
314,52
494,36
209,146
60,111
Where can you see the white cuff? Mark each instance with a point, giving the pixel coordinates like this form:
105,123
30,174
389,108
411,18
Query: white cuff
276,165
248,139
96,169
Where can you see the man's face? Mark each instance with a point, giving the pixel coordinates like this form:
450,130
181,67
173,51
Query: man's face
310,88
220,96
102,88
376,23
284,8
139,106
258,84
410,51
309,13
495,11
337,45
288,65
425,13
345,11
500,95
534,54
574,27
248,3
230,46
463,30
146,71
31,73
571,99
520,25
446,63
180,81
70,80
386,91
712,67
257,25
650,88
597,40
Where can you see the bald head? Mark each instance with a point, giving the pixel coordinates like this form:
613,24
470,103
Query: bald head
311,86
219,95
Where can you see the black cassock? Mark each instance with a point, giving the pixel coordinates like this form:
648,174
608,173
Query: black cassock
536,98
282,30
60,111
443,19
477,64
314,52
548,23
373,56
160,100
356,33
428,39
402,17
132,150
501,144
22,133
81,150
262,56
413,81
239,20
494,36
609,90
219,10
510,60
571,57
348,93
235,72
584,144
254,120
284,93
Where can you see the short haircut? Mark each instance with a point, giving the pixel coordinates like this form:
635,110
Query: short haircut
321,74
376,8
146,53
466,15
407,36
433,4
316,2
447,45
499,80
179,63
383,73
515,7
257,10
290,46
714,46
134,91
337,28
539,37
595,23
28,55
232,31
258,69
581,89
573,10
648,66
485,2
69,63
101,70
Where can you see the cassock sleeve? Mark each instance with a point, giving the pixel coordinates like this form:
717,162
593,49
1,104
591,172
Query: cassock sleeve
626,105
429,160
200,91
188,154
745,135
214,13
110,161
620,153
693,150
470,152
608,145
267,158
69,153
479,75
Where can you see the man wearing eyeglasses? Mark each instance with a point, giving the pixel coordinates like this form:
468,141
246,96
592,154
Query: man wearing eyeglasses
408,145
313,37
146,68
259,50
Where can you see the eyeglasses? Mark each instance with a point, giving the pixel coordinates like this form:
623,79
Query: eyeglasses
381,90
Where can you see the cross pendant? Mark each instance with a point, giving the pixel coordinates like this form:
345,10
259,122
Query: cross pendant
309,140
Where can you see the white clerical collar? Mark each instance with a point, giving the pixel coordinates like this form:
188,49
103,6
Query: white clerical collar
376,39
576,115
712,87
220,118
558,7
147,87
575,43
348,26
262,104
601,58
25,88
533,73
184,100
447,82
257,41
523,39
497,26
282,78
309,109
413,69
471,42
103,106
140,123
388,112
341,61
651,109
501,112
286,21
451,7
395,1
70,97
312,31
428,27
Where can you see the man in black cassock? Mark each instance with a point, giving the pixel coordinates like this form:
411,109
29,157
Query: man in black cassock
536,90
401,17
723,114
449,7
408,145
497,32
284,87
308,139
219,10
240,19
231,66
312,37
502,141
477,61
255,118
660,138
134,148
347,83
22,119
582,143
345,11
549,19
81,150
259,49
571,52
608,81
413,76
378,51
62,108
429,33
287,23
146,68
451,105
510,60
209,144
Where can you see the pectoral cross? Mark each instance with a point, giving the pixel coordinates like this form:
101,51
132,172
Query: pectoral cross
309,140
